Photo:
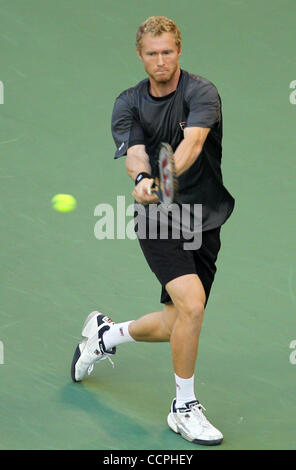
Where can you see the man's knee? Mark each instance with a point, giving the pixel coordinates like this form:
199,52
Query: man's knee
188,296
192,310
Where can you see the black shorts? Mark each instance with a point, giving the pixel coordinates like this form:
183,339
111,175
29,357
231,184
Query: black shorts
168,260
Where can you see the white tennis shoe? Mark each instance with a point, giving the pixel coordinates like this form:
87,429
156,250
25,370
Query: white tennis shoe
192,424
91,349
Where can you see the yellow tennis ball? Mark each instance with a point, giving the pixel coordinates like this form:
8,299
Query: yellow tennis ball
64,202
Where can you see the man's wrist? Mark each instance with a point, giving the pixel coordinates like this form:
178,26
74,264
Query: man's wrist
141,176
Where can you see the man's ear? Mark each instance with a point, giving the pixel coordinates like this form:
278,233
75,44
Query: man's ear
139,54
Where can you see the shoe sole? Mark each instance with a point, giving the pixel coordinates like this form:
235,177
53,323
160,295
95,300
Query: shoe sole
174,427
86,333
77,353
76,356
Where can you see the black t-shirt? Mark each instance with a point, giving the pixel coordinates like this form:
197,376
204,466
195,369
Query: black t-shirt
140,118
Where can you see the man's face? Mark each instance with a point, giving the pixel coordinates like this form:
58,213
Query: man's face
160,56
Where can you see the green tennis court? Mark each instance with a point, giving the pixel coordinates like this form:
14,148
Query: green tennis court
62,65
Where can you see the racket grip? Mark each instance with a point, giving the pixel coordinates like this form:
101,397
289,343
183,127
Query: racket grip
152,189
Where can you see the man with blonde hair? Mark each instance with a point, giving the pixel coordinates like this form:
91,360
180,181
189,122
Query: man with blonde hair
184,110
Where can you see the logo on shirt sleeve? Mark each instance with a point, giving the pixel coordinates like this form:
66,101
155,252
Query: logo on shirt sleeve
121,146
182,125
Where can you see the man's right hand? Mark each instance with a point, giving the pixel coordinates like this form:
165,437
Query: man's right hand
142,192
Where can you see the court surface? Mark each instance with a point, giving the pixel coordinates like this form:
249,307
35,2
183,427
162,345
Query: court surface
62,65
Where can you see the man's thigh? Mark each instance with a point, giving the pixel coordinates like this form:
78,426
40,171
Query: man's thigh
186,291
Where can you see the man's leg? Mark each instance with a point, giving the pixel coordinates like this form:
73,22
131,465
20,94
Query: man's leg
152,327
179,323
189,298
156,326
101,335
186,416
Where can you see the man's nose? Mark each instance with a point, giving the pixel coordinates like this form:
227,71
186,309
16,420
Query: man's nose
160,60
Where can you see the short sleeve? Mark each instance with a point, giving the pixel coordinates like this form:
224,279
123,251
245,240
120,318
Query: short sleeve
126,130
204,106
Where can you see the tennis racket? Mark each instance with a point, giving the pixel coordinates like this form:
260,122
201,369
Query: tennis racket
166,186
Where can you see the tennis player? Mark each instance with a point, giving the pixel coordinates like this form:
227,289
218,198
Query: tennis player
184,110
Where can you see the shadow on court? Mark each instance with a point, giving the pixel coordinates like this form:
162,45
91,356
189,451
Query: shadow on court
114,424
117,429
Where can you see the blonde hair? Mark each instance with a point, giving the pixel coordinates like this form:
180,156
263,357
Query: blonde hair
156,25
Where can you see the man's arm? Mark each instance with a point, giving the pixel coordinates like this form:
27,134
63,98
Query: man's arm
137,161
189,149
187,152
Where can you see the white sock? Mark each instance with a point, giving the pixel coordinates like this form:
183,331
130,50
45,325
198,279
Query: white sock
117,334
184,390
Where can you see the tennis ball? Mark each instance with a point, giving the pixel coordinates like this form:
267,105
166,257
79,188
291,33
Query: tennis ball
64,202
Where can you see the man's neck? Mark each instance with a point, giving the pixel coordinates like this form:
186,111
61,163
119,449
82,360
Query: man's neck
162,89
